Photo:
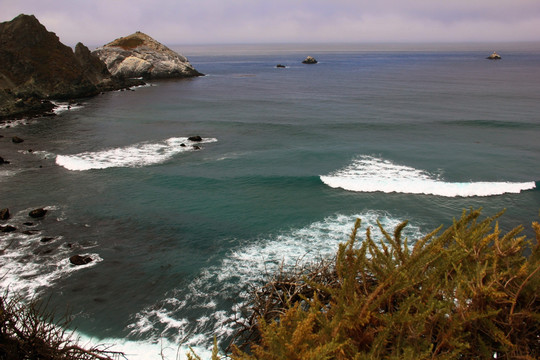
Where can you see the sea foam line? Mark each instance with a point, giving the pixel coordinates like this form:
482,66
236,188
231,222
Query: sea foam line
241,270
371,174
138,155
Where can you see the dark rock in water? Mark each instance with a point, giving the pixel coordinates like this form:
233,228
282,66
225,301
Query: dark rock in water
17,140
2,161
309,60
80,260
4,214
494,56
37,213
139,55
8,228
195,138
28,223
183,145
280,66
46,239
195,147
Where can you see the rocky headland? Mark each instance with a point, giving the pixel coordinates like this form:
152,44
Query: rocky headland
139,55
37,67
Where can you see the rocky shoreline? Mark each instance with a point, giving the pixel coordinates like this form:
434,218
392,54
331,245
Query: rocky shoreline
38,68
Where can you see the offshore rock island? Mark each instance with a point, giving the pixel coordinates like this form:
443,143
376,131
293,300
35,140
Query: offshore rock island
139,55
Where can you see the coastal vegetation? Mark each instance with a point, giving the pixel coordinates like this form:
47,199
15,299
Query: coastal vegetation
468,291
30,331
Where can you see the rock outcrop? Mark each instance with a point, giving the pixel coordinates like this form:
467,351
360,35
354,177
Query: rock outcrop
309,60
80,260
494,56
139,55
36,66
37,213
4,214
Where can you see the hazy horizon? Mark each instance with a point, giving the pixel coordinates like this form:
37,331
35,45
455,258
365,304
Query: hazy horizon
260,22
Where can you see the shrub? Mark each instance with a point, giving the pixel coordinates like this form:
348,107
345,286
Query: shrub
28,331
470,292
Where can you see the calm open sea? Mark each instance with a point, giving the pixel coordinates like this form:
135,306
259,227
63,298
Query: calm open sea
290,157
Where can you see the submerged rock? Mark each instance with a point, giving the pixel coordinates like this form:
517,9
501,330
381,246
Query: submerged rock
8,228
17,140
80,260
139,55
309,60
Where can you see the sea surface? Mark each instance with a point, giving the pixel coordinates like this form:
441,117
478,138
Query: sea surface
290,157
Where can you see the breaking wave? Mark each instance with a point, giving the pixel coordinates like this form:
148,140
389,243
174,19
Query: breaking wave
138,155
193,316
371,174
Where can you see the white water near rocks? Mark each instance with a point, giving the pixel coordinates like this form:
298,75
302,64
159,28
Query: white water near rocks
289,158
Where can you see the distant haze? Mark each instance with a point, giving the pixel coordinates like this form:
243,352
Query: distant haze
96,22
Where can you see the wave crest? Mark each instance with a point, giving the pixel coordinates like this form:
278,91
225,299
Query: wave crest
371,174
138,155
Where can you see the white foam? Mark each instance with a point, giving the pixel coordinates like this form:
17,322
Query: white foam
238,272
160,349
371,174
28,266
138,155
14,123
61,107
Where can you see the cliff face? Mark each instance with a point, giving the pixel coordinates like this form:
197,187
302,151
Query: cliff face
139,55
35,65
35,62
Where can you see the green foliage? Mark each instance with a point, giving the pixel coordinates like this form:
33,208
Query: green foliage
465,292
191,355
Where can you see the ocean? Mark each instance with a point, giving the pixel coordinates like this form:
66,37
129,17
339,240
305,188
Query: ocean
180,232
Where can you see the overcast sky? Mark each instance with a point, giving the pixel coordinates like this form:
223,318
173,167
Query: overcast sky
96,22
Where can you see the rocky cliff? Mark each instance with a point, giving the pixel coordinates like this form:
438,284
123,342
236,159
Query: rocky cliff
139,55
35,65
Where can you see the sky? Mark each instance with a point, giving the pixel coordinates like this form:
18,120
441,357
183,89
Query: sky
97,22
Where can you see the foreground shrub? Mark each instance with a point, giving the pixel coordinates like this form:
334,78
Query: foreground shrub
469,292
27,331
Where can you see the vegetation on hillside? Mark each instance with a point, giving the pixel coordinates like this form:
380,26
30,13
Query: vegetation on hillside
468,292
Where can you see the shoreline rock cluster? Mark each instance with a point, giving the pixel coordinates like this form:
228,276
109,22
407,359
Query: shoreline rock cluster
36,215
37,67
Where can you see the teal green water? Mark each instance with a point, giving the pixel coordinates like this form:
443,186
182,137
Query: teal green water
290,158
